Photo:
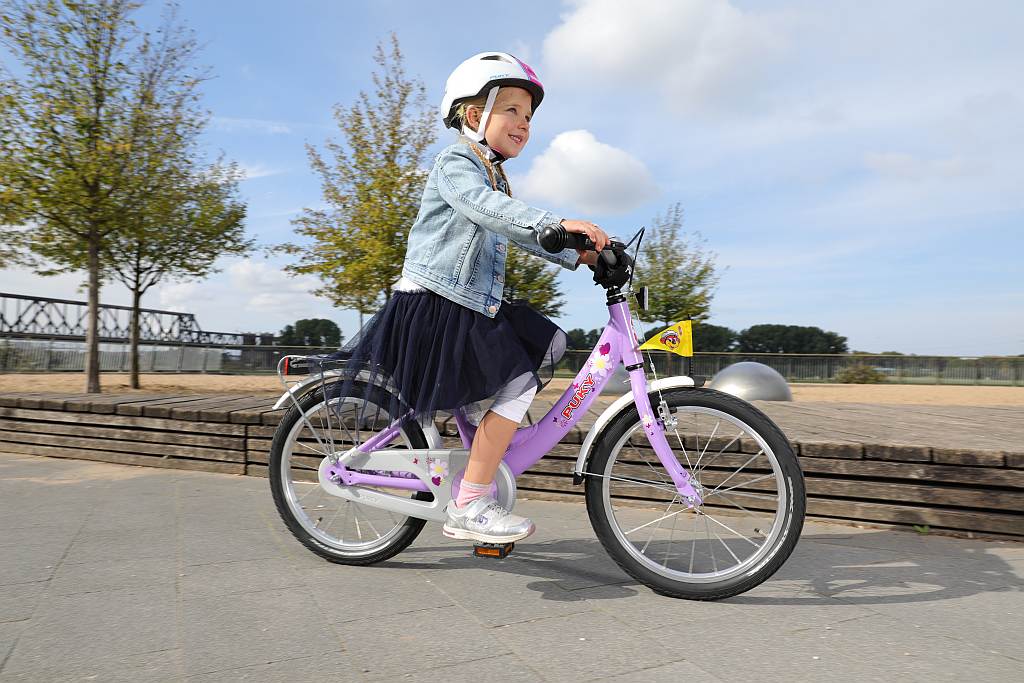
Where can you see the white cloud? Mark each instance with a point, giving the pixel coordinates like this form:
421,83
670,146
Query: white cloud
181,296
251,171
269,289
579,172
242,125
700,55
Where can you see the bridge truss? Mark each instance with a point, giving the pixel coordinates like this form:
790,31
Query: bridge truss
36,317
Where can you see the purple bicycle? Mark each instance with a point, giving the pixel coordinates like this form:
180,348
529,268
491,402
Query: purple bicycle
693,492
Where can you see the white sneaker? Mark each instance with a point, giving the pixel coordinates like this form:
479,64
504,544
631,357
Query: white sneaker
484,520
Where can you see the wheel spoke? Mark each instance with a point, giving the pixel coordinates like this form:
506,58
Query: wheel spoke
717,492
663,486
728,528
693,541
721,484
727,548
644,526
736,505
711,546
710,439
303,444
655,529
657,473
671,538
721,451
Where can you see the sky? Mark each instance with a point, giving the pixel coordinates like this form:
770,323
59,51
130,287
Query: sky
854,165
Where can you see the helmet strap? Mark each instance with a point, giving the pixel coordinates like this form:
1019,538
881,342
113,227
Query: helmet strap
478,134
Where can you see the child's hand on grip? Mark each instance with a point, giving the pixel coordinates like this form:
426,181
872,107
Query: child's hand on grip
594,233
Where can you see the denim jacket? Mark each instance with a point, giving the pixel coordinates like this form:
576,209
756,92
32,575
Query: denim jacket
458,244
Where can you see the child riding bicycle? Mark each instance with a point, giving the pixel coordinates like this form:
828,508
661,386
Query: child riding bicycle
445,338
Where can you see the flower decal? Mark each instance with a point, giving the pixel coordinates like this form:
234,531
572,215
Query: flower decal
648,421
438,470
601,362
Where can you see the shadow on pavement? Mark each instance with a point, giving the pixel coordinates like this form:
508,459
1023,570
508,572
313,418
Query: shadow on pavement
864,568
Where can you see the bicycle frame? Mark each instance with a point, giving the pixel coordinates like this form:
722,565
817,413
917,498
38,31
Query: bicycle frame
618,343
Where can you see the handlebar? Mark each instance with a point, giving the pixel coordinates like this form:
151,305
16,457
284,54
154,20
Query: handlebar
554,239
614,266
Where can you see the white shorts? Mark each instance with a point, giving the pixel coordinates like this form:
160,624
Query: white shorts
511,402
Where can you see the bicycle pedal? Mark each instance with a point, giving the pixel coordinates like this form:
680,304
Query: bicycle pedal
496,550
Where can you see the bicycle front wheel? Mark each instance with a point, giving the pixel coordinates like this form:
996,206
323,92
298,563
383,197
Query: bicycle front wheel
749,478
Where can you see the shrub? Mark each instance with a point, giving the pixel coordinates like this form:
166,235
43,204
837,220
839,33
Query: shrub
859,374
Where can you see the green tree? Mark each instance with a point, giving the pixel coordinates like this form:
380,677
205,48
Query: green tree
790,339
534,280
84,126
708,337
580,339
311,332
193,218
372,183
679,271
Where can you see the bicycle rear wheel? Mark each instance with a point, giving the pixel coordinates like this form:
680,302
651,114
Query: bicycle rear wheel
334,528
749,478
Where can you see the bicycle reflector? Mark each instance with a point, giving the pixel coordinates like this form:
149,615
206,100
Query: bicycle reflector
643,298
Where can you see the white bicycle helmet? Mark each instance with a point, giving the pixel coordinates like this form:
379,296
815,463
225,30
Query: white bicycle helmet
486,73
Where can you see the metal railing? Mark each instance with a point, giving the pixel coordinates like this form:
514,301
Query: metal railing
992,370
54,355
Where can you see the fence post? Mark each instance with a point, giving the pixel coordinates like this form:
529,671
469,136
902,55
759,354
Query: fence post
181,356
49,350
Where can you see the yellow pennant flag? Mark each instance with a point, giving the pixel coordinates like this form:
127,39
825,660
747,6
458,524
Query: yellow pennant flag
676,339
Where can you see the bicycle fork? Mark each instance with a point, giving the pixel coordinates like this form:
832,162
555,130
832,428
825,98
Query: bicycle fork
686,484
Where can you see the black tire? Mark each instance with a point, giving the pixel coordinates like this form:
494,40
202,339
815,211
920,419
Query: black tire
399,537
787,520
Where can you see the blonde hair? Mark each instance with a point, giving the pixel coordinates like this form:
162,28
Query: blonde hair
490,168
461,112
462,108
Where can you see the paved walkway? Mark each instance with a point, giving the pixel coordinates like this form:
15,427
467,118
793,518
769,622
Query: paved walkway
985,428
114,573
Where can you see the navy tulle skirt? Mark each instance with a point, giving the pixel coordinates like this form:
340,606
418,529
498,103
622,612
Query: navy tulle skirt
441,356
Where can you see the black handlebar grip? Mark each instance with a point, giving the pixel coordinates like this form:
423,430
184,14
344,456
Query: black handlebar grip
554,239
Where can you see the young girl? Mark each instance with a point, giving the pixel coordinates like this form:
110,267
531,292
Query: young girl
445,338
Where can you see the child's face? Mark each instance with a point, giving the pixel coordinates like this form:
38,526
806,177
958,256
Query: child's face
508,126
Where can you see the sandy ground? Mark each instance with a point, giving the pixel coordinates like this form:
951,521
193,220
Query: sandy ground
855,393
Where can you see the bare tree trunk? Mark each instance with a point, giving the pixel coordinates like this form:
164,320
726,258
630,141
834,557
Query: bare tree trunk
133,335
92,346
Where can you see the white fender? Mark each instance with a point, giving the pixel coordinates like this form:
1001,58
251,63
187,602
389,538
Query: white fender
299,389
621,403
